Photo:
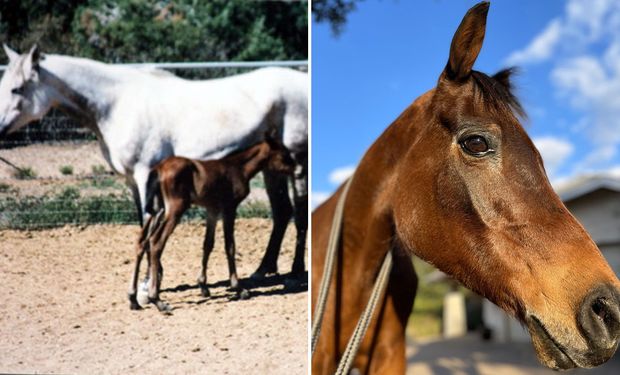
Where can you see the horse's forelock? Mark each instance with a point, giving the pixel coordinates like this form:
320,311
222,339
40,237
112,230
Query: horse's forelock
497,91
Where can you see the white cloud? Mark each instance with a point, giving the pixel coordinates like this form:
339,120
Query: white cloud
540,48
339,175
582,48
593,85
599,156
554,151
614,171
583,22
583,77
318,197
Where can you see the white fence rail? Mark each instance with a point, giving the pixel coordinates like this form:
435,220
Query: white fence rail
214,64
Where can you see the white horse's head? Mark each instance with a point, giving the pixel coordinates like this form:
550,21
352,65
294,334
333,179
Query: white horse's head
23,98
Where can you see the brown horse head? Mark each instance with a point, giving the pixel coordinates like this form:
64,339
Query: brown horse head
484,211
279,159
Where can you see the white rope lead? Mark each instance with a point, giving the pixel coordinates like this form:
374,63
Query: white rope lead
346,361
332,246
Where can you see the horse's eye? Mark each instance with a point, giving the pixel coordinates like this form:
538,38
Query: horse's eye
17,91
475,145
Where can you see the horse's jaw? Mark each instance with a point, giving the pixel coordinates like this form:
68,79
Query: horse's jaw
549,352
561,351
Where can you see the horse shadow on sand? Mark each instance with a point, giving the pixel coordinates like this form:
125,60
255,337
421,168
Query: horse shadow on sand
265,287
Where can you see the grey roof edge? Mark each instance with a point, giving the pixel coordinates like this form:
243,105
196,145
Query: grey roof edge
586,184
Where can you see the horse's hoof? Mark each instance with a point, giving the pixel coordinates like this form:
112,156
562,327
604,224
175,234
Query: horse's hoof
134,306
291,283
164,308
133,302
298,269
258,276
244,294
205,292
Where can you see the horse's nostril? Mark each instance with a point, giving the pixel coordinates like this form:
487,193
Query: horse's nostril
599,318
598,307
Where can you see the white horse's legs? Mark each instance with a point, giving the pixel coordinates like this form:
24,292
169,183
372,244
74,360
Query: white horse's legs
300,194
140,178
282,211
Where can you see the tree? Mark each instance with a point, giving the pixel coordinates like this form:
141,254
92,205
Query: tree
333,11
47,22
149,30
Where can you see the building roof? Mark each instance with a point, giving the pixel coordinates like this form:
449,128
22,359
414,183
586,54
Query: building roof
584,185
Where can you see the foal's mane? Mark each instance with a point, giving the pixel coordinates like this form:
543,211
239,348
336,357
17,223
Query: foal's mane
496,91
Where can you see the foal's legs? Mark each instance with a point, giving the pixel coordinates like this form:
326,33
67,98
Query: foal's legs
141,246
158,240
282,211
229,239
207,247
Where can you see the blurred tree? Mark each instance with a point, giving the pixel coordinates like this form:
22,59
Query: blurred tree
333,11
151,30
47,22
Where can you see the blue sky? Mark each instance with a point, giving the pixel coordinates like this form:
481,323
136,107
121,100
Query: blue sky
392,51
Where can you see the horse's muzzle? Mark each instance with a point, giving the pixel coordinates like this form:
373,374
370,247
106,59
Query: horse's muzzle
598,319
598,323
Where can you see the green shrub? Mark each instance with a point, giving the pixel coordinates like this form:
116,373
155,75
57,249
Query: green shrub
25,173
98,170
254,208
4,188
257,182
66,170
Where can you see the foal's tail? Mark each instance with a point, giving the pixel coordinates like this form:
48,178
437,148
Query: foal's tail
154,199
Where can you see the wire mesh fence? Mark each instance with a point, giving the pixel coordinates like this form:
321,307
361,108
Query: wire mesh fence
52,173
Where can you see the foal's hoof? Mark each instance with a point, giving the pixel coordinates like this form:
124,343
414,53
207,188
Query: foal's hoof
244,294
163,307
133,302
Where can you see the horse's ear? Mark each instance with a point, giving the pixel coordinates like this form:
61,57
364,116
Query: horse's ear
31,64
467,42
11,54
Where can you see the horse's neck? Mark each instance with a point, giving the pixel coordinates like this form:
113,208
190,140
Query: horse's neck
84,88
252,160
368,226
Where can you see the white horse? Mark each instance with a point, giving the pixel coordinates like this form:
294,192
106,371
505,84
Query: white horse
142,116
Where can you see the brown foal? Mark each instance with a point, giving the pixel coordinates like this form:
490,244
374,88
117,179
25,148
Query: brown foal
456,181
217,185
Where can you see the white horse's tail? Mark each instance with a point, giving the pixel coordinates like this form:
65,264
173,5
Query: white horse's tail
154,198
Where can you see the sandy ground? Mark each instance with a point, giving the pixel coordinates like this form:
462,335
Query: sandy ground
64,307
46,159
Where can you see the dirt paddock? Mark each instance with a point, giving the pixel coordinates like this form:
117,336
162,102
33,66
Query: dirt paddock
64,308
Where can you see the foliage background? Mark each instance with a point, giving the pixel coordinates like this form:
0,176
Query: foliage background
150,30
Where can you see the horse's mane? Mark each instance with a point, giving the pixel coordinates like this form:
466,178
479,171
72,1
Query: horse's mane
497,91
